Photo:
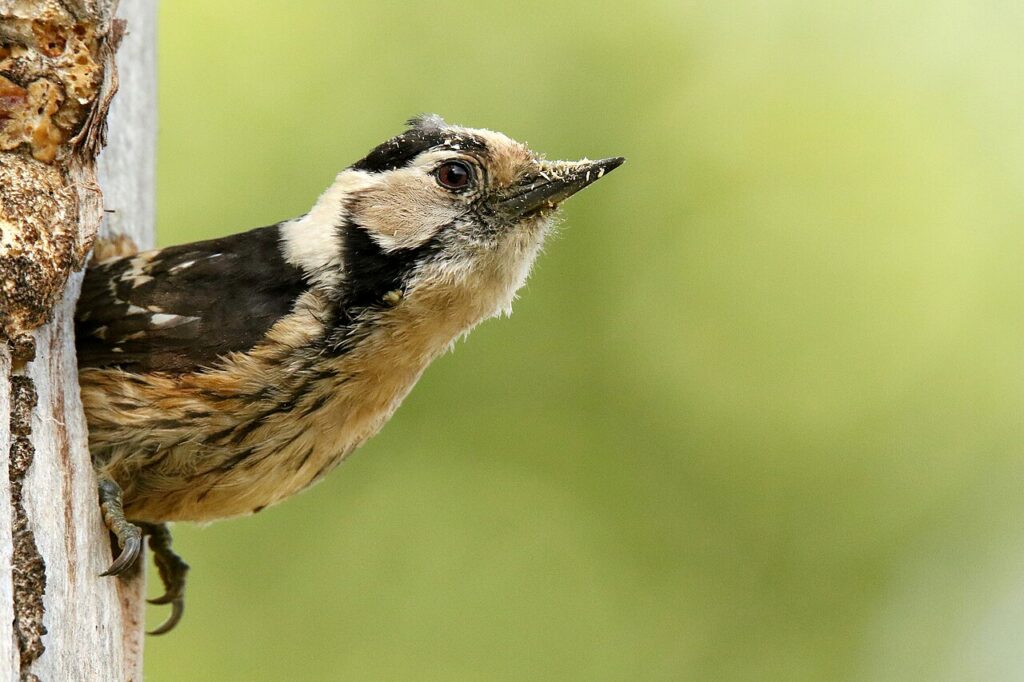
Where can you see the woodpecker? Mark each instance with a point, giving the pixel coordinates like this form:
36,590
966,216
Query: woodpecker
223,376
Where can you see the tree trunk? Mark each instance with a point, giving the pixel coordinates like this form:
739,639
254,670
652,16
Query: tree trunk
59,620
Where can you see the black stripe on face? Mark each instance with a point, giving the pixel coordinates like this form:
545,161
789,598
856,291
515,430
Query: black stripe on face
371,272
400,150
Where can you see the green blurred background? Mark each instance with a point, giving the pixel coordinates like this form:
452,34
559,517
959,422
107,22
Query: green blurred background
759,412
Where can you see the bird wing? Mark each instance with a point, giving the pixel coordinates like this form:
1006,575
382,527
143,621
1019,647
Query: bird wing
181,308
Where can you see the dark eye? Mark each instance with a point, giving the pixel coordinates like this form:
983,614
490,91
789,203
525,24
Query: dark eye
454,175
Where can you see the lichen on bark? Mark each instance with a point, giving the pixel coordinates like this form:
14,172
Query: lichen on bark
51,78
57,78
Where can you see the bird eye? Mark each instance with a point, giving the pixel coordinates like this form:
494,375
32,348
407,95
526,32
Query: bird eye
454,175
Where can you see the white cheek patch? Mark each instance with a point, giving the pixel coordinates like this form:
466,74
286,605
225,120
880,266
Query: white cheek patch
407,207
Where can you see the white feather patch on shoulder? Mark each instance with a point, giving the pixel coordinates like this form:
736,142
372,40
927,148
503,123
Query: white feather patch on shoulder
312,241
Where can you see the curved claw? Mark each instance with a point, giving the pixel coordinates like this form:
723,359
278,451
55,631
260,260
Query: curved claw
166,598
173,571
129,553
177,608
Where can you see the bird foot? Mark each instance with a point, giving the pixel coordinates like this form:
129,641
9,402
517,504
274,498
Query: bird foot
173,571
171,567
129,536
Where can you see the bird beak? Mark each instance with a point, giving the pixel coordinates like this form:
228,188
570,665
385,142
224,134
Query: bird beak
556,182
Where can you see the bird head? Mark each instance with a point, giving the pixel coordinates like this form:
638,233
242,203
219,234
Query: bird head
440,212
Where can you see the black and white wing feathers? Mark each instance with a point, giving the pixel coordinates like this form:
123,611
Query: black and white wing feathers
181,308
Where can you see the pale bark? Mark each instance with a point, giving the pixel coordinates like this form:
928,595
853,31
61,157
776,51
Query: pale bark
93,625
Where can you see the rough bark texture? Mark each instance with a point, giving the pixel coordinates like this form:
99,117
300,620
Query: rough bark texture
58,619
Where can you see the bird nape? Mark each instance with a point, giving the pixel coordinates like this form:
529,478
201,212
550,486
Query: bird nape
223,376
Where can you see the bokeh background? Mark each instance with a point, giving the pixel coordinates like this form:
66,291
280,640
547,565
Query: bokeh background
759,412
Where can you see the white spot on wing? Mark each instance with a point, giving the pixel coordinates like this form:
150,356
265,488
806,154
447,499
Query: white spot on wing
166,321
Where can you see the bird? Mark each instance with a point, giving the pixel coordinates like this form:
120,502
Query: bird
223,376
